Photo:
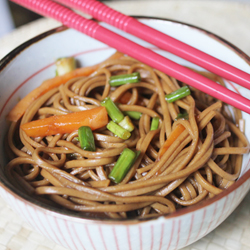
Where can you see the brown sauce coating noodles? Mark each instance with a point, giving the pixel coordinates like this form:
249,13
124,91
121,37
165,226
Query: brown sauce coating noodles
204,160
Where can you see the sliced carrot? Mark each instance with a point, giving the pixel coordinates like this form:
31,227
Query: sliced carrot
170,140
61,124
16,113
47,85
124,99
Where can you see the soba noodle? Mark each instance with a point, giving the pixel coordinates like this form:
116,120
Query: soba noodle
204,160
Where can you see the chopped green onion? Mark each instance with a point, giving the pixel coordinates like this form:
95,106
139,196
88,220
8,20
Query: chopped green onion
71,156
118,130
123,165
113,111
154,123
137,155
65,65
133,114
86,138
178,94
123,79
182,116
127,124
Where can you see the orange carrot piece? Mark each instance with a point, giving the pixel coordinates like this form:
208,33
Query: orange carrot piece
124,99
16,113
170,140
47,85
61,124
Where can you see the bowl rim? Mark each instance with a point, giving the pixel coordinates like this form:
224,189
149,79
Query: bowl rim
59,213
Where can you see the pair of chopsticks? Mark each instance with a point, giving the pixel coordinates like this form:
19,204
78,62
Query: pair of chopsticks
104,13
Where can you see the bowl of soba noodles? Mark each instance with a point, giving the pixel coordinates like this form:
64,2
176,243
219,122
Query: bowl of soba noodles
100,151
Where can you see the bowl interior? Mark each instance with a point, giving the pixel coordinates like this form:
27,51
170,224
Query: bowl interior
26,67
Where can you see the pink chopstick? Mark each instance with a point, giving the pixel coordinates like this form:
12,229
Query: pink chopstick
129,24
69,18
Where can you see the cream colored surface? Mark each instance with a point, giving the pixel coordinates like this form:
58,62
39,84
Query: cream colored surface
227,19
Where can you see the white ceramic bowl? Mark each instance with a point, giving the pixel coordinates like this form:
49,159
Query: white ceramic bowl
31,63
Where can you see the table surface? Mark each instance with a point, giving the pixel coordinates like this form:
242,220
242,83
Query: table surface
228,19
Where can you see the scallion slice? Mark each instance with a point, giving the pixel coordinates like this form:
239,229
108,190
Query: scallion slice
65,65
154,123
123,165
123,79
127,124
86,138
133,114
178,94
118,130
71,156
182,116
113,111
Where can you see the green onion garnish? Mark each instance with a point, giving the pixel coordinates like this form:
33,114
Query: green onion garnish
71,156
178,94
113,111
118,130
123,165
154,123
182,116
133,114
86,138
127,124
65,65
123,79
